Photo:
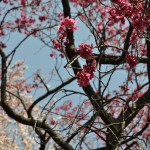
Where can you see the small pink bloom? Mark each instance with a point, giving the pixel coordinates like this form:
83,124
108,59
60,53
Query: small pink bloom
28,90
5,1
70,103
42,18
85,51
70,115
67,24
2,45
65,107
23,2
83,78
90,68
146,134
56,44
87,103
62,55
2,33
124,88
53,54
52,121
131,60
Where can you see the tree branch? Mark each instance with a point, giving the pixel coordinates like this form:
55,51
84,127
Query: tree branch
26,121
47,94
95,100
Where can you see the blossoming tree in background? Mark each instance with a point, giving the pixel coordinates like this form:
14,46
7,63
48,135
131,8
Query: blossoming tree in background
86,108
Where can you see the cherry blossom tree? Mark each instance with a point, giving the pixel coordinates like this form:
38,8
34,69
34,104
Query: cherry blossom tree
96,95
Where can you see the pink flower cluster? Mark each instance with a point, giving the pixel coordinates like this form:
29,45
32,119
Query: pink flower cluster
85,51
131,60
90,68
67,24
133,10
86,74
58,43
28,87
2,45
24,22
116,16
42,18
23,2
83,78
83,3
136,95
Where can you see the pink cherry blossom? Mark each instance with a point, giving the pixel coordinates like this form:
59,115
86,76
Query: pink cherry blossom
131,60
42,18
53,54
67,24
90,68
85,51
23,2
83,78
2,45
56,43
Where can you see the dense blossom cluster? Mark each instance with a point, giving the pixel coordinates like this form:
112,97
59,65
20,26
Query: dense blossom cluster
83,3
42,18
87,73
85,51
133,10
83,78
90,68
131,60
67,24
136,95
23,2
23,22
